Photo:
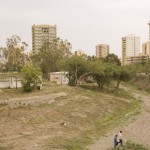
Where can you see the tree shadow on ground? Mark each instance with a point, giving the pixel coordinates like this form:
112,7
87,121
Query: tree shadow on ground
95,88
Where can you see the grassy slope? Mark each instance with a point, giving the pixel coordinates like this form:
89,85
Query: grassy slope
86,112
141,84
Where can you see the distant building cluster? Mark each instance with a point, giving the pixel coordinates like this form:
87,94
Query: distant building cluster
131,51
131,47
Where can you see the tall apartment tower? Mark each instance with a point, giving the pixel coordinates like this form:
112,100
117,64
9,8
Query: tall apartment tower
130,46
102,50
42,34
146,45
146,48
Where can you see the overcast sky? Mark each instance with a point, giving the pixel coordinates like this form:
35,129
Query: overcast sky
84,23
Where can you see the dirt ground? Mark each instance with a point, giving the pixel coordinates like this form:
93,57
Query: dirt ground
60,118
138,130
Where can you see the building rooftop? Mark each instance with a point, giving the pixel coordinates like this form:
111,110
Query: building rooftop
43,25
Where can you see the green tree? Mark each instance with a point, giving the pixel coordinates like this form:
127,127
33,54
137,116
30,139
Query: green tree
140,70
31,77
121,73
14,53
50,54
91,58
113,59
102,73
77,67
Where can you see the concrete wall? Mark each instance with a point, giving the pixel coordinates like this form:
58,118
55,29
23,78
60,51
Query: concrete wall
10,82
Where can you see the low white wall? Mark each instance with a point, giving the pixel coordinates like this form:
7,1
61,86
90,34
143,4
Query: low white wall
10,82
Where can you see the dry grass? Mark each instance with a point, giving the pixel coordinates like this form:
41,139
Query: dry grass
141,84
69,123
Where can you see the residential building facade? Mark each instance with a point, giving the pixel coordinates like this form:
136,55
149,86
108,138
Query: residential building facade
102,50
42,34
135,59
146,48
80,53
130,47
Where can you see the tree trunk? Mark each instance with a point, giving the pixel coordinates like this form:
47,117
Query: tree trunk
117,86
76,76
102,86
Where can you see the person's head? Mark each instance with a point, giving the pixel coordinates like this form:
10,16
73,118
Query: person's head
120,131
116,135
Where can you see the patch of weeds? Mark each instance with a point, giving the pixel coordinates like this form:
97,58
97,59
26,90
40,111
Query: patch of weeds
73,147
3,148
123,94
148,90
90,87
2,105
78,144
6,148
131,146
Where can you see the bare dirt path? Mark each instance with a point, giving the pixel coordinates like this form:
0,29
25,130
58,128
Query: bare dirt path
138,130
31,101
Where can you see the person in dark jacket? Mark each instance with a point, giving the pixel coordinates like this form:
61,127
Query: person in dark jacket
116,141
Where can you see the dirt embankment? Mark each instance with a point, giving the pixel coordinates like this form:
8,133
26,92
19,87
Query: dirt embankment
30,101
137,130
59,117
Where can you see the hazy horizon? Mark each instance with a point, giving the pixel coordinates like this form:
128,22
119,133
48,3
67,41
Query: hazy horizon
83,23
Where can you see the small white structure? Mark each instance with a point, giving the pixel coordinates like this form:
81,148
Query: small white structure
10,82
59,77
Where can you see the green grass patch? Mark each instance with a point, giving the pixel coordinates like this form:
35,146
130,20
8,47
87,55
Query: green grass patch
116,92
3,148
6,148
122,93
148,90
131,146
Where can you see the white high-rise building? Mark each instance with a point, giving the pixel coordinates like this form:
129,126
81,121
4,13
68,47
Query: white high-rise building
130,46
146,45
42,34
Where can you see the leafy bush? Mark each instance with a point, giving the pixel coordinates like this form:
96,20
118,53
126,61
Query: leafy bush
30,77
